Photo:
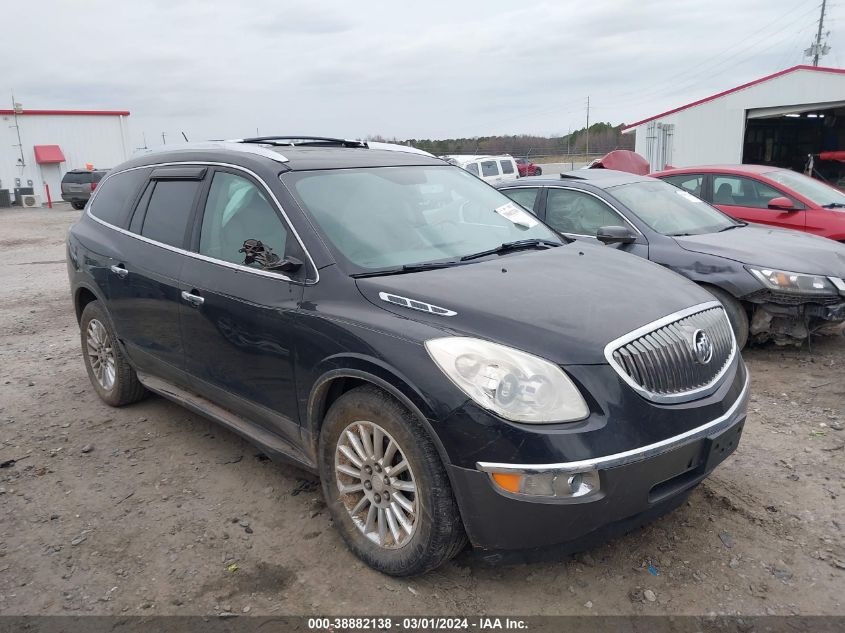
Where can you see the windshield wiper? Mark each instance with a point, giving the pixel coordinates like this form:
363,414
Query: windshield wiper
407,268
512,246
834,205
733,226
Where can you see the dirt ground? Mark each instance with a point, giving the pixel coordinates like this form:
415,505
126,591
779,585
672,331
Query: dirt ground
150,509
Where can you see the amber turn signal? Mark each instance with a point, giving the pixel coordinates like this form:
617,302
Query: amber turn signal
509,481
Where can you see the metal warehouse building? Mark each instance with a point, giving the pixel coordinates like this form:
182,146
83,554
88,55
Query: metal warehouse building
776,120
37,147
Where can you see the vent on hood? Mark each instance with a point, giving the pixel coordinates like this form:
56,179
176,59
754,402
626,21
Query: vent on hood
413,304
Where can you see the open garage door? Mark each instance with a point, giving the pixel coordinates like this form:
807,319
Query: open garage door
785,136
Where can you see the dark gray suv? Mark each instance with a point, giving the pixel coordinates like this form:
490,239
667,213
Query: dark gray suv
79,184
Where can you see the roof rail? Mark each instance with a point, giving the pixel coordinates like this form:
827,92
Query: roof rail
236,146
314,141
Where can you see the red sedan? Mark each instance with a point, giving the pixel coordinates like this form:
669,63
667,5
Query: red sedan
767,195
527,168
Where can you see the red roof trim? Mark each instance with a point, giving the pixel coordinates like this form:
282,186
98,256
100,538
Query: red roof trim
69,112
840,71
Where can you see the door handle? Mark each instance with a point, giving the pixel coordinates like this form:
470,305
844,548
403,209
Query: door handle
120,271
194,300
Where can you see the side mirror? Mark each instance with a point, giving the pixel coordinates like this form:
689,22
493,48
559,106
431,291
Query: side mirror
615,235
782,203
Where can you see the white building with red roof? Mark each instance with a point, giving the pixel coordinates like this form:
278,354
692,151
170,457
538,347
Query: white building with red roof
37,147
775,120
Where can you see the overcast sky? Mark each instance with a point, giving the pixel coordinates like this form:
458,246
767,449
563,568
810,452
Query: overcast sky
427,69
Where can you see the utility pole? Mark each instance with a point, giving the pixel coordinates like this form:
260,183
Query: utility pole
163,141
588,126
817,49
16,107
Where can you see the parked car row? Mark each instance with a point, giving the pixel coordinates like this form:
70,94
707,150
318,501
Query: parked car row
775,284
454,366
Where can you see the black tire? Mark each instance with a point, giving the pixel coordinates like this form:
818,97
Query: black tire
438,533
78,205
538,172
126,387
736,314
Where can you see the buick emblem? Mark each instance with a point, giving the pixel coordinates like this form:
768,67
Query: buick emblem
702,347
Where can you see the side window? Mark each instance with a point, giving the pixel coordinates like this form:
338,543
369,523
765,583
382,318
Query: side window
473,168
115,194
743,192
236,211
689,182
489,168
523,196
579,213
507,166
168,211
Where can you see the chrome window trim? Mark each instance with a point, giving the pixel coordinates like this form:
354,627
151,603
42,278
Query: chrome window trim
630,456
600,199
685,396
220,262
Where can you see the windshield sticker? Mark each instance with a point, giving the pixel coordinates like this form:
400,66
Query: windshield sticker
687,195
515,214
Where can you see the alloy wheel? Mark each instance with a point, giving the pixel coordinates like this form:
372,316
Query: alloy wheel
376,484
100,354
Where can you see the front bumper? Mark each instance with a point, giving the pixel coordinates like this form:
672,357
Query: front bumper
635,484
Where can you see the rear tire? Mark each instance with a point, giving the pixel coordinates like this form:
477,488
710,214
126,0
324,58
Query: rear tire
416,526
112,377
538,172
78,205
736,314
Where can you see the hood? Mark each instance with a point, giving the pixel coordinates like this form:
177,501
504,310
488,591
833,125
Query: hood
773,248
563,304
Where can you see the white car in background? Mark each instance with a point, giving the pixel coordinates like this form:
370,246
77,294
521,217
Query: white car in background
493,169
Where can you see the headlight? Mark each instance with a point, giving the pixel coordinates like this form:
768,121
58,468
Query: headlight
797,283
513,384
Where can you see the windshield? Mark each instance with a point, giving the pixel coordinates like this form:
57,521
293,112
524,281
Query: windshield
384,217
812,189
670,210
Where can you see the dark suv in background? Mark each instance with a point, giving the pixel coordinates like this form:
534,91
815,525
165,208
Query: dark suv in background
79,184
398,326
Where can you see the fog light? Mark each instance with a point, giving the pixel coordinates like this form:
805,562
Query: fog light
551,484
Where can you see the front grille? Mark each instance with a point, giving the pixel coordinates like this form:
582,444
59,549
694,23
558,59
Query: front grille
660,361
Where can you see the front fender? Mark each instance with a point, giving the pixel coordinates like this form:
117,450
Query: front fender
370,370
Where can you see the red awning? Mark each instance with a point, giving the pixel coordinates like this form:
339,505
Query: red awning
48,154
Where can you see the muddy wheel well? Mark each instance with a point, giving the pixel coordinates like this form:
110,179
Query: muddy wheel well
83,298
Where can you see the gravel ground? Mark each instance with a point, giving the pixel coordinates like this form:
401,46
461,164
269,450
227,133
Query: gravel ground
150,509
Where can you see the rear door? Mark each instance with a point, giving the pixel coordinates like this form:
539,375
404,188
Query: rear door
525,197
748,199
145,292
490,171
238,319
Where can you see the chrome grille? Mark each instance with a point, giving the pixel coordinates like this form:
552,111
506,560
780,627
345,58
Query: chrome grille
660,360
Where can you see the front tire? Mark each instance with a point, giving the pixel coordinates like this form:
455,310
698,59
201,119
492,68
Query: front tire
385,485
538,172
112,377
736,314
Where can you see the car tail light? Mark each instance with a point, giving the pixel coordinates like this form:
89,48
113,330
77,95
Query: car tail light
93,186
